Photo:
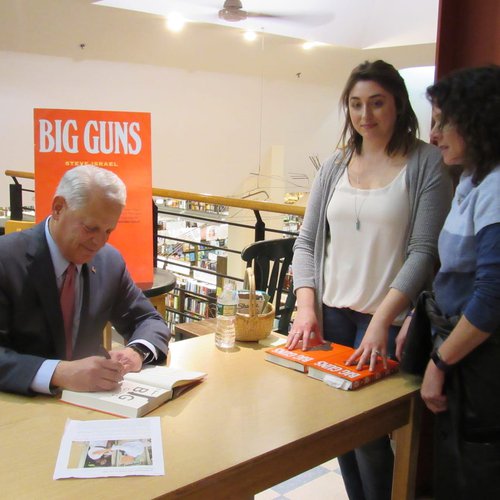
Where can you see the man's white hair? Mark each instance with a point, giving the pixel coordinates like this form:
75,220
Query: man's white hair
77,185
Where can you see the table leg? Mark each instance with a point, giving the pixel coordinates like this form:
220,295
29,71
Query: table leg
405,463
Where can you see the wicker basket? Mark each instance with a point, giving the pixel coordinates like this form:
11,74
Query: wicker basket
252,327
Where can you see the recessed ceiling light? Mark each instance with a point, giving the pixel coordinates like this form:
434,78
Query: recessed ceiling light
175,21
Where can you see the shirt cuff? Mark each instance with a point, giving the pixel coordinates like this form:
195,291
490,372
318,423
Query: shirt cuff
41,381
152,356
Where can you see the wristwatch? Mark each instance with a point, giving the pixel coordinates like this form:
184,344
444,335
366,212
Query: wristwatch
439,362
140,349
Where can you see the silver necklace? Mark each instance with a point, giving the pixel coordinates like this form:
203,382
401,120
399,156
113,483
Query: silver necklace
356,210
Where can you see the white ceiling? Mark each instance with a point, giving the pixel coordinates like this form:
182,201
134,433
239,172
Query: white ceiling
346,23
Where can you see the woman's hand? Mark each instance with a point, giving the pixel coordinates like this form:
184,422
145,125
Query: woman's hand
401,338
304,330
374,343
432,389
373,346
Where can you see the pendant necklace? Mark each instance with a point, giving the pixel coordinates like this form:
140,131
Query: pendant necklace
356,210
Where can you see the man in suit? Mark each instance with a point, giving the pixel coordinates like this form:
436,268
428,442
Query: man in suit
41,351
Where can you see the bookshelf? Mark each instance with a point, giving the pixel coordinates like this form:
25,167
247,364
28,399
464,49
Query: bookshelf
191,300
192,237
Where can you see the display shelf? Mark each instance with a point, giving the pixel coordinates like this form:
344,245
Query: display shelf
191,300
189,248
193,206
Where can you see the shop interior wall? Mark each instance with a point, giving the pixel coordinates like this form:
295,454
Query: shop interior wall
218,106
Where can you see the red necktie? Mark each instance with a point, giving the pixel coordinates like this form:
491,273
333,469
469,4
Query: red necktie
68,306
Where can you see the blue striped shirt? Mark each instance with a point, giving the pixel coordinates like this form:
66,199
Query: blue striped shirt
468,281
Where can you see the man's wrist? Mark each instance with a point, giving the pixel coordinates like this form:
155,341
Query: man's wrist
141,350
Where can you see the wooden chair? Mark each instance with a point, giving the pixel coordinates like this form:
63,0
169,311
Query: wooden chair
271,260
12,226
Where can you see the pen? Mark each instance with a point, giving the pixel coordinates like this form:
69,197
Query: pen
104,351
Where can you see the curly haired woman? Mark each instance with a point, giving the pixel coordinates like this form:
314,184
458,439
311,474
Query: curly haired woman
462,381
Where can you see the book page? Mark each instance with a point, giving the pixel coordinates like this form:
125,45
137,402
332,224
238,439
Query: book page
164,377
105,448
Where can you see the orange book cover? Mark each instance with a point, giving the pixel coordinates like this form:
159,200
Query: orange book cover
117,140
333,371
299,360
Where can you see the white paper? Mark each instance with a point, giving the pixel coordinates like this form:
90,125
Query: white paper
105,448
337,382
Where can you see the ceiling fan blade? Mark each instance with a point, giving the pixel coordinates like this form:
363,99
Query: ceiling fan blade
261,15
309,19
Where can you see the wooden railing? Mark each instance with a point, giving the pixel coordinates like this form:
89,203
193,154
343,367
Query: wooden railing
260,206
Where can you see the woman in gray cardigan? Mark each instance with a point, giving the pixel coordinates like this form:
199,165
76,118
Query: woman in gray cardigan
368,244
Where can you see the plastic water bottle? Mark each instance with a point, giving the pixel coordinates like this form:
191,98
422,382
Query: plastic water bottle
227,304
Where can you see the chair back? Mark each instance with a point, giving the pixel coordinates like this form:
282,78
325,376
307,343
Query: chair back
271,260
12,226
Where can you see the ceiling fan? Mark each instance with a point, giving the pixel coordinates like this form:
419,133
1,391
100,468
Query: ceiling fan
232,11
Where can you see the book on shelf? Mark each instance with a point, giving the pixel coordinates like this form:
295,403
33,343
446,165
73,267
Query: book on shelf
139,393
328,365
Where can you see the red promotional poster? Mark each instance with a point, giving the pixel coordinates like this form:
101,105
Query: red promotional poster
119,141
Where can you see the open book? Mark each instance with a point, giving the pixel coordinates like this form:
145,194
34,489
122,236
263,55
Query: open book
327,363
139,392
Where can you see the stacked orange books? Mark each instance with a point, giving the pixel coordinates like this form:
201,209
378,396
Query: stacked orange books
299,360
327,363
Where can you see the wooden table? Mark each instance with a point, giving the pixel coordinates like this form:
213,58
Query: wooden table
163,281
248,426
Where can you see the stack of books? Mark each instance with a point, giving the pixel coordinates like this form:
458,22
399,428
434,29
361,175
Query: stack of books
326,362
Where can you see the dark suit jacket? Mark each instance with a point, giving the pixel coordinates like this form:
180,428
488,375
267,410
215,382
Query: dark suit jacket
31,325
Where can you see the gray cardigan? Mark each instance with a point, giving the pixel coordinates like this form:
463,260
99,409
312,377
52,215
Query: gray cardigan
430,192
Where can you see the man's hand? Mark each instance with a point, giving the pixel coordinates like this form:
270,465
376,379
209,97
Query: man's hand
89,374
130,360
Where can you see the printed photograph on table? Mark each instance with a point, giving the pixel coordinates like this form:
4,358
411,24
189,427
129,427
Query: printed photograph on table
110,448
112,453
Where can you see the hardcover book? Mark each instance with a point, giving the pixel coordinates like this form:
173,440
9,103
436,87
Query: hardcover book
299,360
139,393
334,372
327,363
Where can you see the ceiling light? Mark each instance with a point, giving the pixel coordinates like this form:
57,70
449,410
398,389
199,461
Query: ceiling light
249,36
175,22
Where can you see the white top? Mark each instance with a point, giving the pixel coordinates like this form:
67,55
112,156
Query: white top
365,251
